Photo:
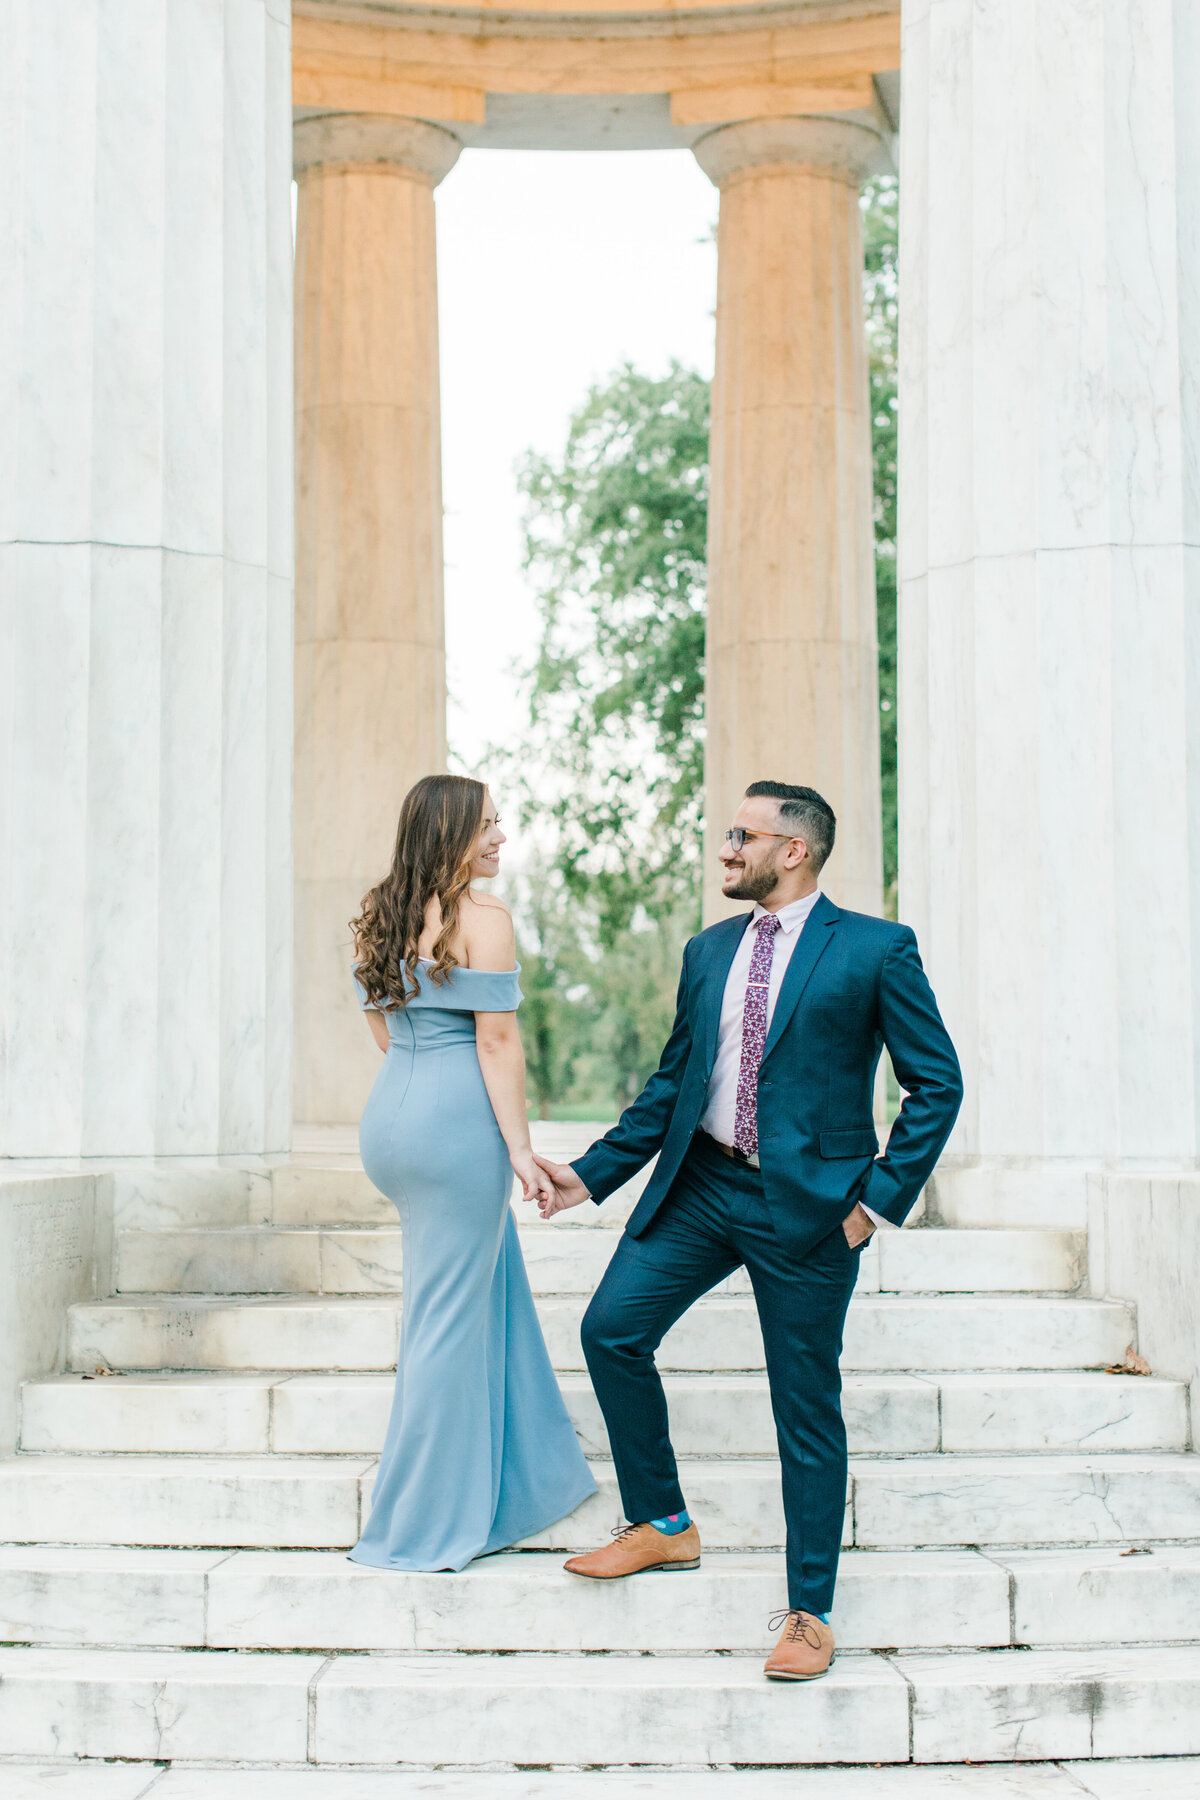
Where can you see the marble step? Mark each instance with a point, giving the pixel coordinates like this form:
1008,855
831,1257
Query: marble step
1025,1500
1020,1706
341,1260
1137,1778
163,1197
723,1415
295,1600
314,1502
661,1711
886,1332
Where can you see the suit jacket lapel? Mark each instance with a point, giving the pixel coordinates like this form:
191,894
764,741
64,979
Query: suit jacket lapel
814,939
725,943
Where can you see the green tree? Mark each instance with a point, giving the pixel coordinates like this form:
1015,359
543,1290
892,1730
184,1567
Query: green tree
556,1020
615,545
880,293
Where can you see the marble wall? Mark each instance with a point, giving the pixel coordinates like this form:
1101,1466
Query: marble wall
145,577
56,1247
1144,1246
1050,570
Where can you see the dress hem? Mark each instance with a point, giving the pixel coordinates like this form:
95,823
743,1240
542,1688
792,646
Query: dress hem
487,1548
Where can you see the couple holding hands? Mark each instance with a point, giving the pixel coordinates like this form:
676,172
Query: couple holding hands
760,1116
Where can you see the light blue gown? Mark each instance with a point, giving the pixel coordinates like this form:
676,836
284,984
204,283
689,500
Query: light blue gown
480,1451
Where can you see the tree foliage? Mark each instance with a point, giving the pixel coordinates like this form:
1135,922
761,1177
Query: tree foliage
881,295
615,546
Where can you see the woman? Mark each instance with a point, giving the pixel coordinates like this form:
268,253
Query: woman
480,1451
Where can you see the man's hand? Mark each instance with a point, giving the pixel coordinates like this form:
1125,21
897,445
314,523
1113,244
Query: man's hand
568,1189
857,1225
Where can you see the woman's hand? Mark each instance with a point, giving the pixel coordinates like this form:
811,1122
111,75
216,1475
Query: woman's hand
535,1183
566,1189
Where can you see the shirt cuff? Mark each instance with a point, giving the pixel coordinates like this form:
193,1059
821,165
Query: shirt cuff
875,1217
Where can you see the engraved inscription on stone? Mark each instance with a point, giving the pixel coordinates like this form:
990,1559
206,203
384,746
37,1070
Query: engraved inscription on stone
52,1237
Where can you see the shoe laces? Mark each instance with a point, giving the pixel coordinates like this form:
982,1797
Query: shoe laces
798,1627
621,1532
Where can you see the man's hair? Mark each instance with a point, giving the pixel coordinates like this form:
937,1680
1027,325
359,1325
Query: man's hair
805,814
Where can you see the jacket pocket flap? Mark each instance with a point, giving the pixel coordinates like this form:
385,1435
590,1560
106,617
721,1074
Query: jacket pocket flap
861,1142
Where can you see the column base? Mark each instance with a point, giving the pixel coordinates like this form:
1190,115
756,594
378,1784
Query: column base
1030,1191
973,1191
1143,1228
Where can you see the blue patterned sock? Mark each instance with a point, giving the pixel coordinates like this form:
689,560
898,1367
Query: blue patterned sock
672,1524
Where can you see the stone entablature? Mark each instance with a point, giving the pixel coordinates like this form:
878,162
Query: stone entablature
708,64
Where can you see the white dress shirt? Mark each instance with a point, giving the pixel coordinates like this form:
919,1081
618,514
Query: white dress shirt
720,1109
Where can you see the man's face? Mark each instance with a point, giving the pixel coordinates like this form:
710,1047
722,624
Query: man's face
752,872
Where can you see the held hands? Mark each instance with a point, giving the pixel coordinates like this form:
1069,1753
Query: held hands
565,1187
534,1184
858,1227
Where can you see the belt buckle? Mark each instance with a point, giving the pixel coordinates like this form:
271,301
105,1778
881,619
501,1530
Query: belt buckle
749,1161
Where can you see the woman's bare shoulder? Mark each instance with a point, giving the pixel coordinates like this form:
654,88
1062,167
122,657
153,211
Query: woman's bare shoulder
487,932
485,903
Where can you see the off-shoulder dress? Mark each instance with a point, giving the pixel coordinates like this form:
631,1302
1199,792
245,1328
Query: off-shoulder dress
480,1451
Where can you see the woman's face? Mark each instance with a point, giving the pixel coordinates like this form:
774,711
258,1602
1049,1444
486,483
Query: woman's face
485,856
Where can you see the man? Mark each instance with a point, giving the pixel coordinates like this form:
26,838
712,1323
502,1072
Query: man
760,1113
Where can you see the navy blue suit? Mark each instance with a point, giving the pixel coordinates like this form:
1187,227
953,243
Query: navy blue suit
853,984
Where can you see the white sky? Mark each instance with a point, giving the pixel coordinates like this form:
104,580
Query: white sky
553,268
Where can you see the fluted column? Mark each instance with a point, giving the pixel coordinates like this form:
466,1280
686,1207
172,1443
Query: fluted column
1050,581
370,658
145,578
792,679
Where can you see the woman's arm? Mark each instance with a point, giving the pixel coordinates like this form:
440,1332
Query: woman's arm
490,944
502,1060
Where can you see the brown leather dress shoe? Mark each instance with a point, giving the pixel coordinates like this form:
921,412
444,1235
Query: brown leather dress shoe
636,1549
804,1650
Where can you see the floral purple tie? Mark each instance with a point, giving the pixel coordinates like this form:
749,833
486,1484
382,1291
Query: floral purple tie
754,1035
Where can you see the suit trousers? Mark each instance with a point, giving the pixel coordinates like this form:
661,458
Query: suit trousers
713,1220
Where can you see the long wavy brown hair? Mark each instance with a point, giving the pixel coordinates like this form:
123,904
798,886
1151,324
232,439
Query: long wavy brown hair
440,819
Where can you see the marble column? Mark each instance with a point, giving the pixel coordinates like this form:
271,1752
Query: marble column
1049,700
145,586
370,658
792,678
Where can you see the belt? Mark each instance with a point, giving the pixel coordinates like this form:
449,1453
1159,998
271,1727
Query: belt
732,1152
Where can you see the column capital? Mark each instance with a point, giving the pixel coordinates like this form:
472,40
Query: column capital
426,150
858,151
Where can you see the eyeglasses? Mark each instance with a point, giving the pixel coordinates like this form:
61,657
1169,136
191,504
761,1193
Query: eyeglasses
738,835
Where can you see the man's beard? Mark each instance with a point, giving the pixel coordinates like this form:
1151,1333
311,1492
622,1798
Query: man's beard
754,885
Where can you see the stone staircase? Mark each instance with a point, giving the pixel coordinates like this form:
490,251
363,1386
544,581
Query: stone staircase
1021,1578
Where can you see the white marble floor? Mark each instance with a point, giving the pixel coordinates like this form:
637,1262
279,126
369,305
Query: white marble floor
1166,1778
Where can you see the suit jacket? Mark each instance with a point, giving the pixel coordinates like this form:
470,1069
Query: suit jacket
853,984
